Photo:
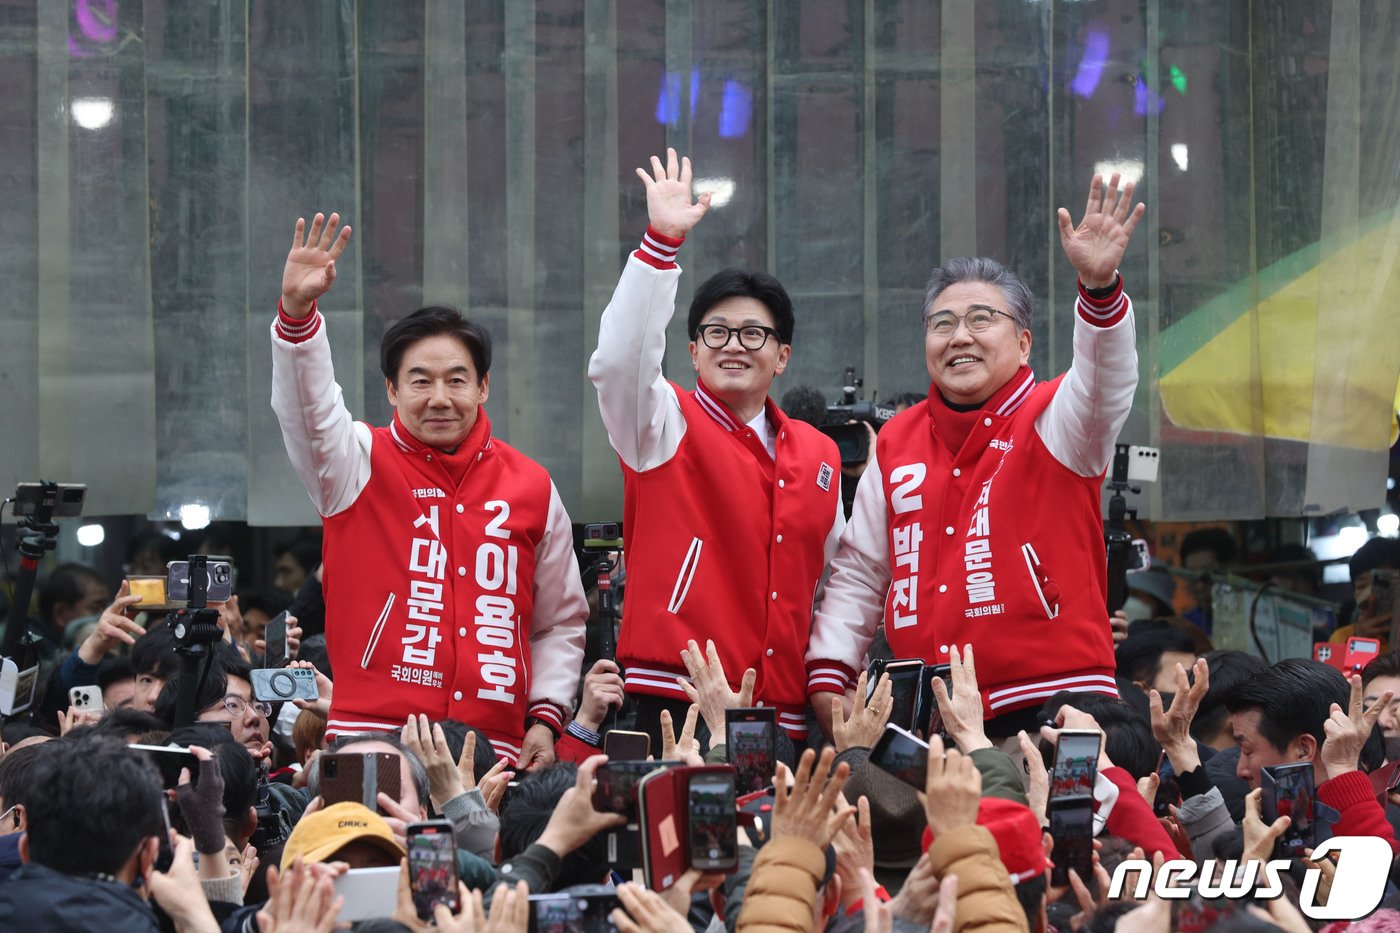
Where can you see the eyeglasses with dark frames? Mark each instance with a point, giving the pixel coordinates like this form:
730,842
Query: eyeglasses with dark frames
751,336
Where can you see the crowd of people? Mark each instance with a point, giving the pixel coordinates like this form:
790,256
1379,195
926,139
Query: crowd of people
454,647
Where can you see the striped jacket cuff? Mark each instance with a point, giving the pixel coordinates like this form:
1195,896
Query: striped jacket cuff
297,330
549,713
658,249
1103,312
829,676
584,734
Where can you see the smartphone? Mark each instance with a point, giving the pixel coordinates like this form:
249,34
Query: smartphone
902,754
905,677
581,909
620,745
1288,791
66,501
751,746
1076,764
165,855
432,867
616,790
282,684
150,589
177,580
927,714
86,699
712,827
1072,826
359,777
169,759
275,648
368,892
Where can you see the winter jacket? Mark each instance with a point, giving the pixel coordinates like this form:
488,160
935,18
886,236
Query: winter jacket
38,898
783,887
986,898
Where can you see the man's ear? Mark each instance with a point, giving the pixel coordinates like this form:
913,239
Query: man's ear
831,902
1306,745
24,848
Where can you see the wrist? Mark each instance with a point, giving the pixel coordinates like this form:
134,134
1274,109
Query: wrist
90,653
971,740
298,308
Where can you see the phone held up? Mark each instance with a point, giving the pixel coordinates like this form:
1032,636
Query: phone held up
432,867
751,746
1071,807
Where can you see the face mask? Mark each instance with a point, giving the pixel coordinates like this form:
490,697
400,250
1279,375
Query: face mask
1136,609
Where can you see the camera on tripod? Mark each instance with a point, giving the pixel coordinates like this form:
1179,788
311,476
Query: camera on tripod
1131,465
852,441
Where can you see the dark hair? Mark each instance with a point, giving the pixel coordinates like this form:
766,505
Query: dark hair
1139,656
1031,896
1294,697
433,321
89,806
154,652
125,721
1384,665
1376,554
525,818
239,770
805,403
16,769
737,283
15,731
1217,540
344,740
483,758
907,399
270,604
65,585
114,671
306,551
1127,735
1227,668
226,663
960,269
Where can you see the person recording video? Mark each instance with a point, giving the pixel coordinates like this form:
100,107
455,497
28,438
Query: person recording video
449,576
978,515
732,508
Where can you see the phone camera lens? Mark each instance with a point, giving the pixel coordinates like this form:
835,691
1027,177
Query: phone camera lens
282,684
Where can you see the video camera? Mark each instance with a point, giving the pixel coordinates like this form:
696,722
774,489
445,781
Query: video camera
851,439
1131,465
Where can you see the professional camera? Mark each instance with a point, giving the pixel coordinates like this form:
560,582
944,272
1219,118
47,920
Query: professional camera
851,439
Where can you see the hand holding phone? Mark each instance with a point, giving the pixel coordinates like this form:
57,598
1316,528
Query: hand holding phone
432,867
903,755
712,827
1076,764
275,649
621,745
751,746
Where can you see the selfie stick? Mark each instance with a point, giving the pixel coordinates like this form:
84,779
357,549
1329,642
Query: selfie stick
37,534
1130,464
196,628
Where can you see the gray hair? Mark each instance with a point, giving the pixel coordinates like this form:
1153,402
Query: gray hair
346,739
981,269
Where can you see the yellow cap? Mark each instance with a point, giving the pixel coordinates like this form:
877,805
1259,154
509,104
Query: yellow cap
321,834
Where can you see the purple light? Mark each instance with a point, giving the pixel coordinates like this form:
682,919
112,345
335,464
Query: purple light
97,19
1092,64
694,90
735,109
1144,98
668,106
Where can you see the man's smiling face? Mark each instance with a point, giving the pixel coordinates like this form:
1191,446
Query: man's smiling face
968,368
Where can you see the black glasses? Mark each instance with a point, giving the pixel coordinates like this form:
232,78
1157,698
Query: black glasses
751,337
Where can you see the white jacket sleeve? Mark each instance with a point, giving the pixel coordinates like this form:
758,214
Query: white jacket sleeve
1081,423
639,407
328,448
557,623
854,599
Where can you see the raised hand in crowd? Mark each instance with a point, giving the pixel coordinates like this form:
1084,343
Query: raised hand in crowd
684,748
300,900
231,621
691,882
470,916
178,891
310,269
294,634
1118,624
862,728
448,779
1348,731
201,803
709,687
321,706
952,789
645,911
1095,247
69,719
926,900
574,820
805,800
602,689
114,627
962,712
1038,794
1259,839
879,918
1070,718
1155,914
669,208
855,851
1172,727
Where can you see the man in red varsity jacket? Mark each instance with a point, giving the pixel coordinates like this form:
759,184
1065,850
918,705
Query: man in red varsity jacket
450,582
732,509
977,519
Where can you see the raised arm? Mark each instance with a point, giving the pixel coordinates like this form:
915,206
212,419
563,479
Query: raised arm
639,407
1082,422
328,451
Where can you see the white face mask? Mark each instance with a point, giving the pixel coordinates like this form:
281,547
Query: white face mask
1136,609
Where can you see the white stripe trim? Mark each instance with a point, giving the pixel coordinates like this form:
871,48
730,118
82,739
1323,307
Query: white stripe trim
1014,401
394,430
1042,694
1090,311
840,685
793,717
1032,561
645,682
652,251
793,730
350,725
686,575
378,630
656,673
1061,682
510,750
660,247
309,325
836,671
716,410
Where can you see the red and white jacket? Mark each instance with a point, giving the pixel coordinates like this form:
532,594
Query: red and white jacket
999,545
450,581
729,525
